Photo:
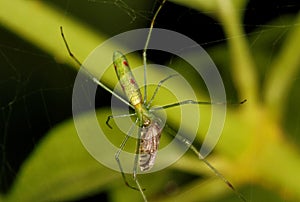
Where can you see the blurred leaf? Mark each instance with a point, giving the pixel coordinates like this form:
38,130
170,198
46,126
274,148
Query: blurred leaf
60,169
17,14
260,133
81,38
198,190
210,8
284,68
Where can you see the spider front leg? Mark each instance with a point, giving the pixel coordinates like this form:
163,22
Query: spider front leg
117,116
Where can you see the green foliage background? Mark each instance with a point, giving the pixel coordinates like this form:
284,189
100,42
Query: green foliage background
258,150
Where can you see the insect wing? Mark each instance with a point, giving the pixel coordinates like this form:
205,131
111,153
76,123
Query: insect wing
149,143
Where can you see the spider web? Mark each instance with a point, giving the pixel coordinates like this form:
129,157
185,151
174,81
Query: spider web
32,102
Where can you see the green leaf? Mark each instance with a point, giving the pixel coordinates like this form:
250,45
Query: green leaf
60,169
283,69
